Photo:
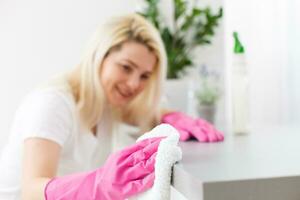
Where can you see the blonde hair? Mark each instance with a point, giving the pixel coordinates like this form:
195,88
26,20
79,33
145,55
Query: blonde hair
85,81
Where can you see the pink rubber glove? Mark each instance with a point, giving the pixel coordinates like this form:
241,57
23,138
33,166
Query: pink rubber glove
125,173
188,127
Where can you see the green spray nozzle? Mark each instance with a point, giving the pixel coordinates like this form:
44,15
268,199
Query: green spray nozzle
238,47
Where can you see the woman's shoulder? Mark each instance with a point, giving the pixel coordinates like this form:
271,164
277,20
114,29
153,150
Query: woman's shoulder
47,113
56,91
49,97
50,101
52,94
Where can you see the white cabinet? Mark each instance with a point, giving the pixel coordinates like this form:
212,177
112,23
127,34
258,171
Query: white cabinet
175,195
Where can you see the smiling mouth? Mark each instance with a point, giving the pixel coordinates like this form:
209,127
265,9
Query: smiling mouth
123,94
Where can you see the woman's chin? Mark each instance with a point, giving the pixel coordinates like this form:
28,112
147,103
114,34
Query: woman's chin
119,102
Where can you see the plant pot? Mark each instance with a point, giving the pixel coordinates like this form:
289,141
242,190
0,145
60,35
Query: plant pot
179,95
207,112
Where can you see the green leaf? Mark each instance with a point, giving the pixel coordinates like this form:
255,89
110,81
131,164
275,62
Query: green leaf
199,26
190,19
179,8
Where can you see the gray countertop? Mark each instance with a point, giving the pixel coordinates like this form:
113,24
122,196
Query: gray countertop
242,167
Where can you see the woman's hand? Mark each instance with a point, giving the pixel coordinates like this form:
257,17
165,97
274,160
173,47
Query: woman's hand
189,127
125,173
129,171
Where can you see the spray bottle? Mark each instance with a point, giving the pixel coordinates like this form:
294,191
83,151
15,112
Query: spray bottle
240,89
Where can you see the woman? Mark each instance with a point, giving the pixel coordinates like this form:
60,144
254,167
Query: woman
66,126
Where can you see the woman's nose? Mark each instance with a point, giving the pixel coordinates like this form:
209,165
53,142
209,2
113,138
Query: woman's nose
133,83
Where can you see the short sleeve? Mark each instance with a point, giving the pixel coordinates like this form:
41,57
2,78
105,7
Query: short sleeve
45,114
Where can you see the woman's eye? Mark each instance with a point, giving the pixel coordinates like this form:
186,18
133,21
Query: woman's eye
145,76
126,68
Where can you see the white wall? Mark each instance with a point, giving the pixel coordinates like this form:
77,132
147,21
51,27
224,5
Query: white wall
40,38
293,75
213,56
263,29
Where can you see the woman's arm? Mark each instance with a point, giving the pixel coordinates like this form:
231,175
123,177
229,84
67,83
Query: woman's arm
164,111
40,161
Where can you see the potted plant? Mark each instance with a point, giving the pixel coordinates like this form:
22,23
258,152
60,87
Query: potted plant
191,28
208,94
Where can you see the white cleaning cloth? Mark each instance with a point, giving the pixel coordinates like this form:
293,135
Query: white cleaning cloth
167,154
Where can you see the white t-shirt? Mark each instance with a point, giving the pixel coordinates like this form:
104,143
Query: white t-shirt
51,114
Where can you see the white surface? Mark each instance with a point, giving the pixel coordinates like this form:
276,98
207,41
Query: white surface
257,161
261,154
175,195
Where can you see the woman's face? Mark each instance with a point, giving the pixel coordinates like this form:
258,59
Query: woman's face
125,72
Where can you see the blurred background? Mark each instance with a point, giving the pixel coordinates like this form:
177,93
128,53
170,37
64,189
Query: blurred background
41,38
